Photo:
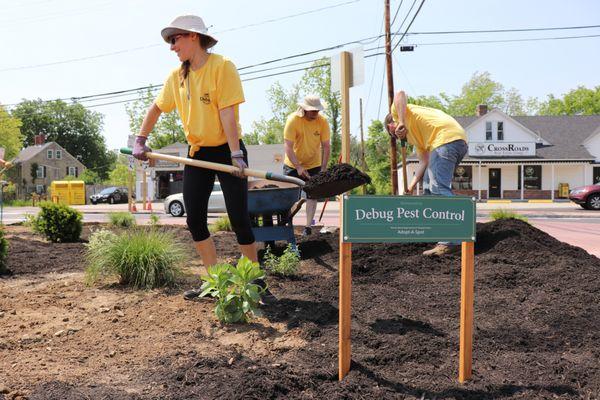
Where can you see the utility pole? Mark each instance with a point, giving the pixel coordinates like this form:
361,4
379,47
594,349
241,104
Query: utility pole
390,85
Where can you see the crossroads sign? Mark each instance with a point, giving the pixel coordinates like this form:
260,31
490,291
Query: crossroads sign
391,219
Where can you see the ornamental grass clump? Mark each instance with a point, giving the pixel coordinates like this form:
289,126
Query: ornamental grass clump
221,224
286,265
122,219
237,296
59,222
140,258
502,213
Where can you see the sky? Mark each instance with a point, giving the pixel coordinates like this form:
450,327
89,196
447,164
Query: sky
69,48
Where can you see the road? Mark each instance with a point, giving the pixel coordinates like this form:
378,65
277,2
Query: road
565,221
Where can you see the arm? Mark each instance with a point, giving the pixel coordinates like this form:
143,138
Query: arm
400,105
421,168
326,152
227,117
139,148
289,152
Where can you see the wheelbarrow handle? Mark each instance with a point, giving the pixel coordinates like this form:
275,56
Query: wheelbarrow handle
219,167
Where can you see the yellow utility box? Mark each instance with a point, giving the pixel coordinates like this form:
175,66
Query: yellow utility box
563,190
68,192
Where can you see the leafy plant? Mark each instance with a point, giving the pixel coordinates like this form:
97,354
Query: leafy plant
59,222
154,220
122,219
502,213
3,251
221,224
32,221
286,265
141,258
237,296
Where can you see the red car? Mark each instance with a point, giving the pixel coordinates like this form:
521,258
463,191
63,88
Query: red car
587,197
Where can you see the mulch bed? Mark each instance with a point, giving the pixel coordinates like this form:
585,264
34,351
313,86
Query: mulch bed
537,328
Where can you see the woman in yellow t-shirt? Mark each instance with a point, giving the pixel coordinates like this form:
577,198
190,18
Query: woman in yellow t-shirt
206,90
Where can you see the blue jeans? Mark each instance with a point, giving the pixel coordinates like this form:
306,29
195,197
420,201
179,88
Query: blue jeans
440,171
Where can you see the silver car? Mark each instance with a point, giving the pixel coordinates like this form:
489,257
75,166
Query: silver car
216,203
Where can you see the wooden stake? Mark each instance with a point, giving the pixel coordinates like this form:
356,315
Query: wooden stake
466,311
144,188
345,266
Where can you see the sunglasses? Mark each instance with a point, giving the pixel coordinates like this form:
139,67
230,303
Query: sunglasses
173,39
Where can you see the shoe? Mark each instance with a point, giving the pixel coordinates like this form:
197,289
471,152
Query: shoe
191,294
266,297
307,231
442,249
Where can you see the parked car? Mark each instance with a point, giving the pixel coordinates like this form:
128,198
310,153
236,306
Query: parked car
216,203
587,197
110,195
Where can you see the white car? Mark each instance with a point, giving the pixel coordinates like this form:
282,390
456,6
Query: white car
216,203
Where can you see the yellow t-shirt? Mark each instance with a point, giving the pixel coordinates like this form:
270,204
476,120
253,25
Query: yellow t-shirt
307,137
429,128
213,87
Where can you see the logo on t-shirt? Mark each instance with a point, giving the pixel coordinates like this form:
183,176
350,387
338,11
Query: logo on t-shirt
205,98
316,133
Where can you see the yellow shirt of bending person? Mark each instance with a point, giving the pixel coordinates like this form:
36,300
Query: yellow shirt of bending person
429,128
206,91
307,137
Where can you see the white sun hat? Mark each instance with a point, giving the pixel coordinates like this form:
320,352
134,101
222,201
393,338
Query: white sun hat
186,24
310,103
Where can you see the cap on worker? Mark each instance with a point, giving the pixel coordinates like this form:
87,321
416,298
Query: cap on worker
186,24
310,103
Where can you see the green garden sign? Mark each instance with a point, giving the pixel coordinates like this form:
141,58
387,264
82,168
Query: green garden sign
390,219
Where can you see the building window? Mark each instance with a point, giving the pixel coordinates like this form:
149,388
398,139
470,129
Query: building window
500,130
532,176
50,154
58,154
488,130
40,189
72,171
40,172
463,178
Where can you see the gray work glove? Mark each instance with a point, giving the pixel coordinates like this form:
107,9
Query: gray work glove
238,162
140,149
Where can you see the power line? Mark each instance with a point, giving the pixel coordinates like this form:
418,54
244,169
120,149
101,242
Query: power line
559,28
396,13
509,40
409,25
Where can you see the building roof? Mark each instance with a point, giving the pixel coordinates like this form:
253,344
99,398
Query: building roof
29,152
566,133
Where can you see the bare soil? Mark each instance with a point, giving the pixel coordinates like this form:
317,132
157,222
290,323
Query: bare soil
537,326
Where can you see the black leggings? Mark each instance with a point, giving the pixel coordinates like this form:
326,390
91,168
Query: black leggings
197,186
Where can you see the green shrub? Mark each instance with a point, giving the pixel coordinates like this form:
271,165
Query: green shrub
3,251
237,297
502,213
32,221
17,203
221,224
286,265
59,223
154,220
122,219
141,258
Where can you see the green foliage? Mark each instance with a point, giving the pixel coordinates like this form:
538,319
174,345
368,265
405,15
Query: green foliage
237,297
32,221
90,177
377,156
17,203
59,223
33,172
3,251
580,101
122,219
154,220
286,265
221,224
503,213
141,258
118,176
480,89
74,127
10,134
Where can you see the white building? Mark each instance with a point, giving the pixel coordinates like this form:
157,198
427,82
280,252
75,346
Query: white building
544,152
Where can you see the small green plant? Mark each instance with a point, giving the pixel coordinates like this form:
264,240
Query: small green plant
221,224
17,203
59,222
32,221
154,220
286,265
503,213
141,258
3,252
237,296
122,219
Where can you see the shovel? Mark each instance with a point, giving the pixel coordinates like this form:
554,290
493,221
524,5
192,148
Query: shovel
325,184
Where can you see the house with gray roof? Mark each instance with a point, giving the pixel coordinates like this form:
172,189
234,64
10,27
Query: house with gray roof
37,166
525,157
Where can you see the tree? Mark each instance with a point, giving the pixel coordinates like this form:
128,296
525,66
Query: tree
90,177
428,101
10,135
72,126
480,89
168,128
118,176
377,156
580,101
